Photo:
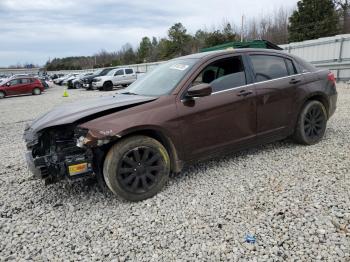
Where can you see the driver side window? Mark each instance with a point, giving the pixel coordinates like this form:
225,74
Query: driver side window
119,72
15,82
223,74
267,67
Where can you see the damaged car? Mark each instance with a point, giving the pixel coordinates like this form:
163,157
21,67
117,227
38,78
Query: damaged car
187,109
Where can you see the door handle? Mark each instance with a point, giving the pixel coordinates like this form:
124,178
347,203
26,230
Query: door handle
245,93
294,81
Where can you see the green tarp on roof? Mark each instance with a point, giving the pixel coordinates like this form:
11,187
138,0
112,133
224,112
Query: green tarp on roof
248,44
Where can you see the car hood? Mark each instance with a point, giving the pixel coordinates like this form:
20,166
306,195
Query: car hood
70,113
90,77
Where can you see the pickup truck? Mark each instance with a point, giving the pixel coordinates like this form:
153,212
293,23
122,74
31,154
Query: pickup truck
116,77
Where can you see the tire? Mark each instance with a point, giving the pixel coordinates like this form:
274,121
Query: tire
2,94
107,86
36,91
312,123
77,85
126,164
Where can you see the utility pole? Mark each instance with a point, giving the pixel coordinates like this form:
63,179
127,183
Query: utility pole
242,28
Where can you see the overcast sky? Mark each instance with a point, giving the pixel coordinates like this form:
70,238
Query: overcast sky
32,31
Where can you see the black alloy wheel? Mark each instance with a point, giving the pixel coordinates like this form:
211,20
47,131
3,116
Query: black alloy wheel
314,122
139,169
136,168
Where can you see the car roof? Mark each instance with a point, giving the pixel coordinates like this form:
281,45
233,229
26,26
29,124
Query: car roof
210,54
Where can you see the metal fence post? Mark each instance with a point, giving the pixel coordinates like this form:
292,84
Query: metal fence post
341,43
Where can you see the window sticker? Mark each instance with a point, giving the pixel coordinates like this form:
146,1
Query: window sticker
180,67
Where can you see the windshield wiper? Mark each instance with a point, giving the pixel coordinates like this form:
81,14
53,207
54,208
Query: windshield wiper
128,93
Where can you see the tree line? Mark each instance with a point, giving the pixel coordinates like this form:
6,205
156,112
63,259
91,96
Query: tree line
311,19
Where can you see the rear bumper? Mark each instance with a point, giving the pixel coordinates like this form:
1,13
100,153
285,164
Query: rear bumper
332,104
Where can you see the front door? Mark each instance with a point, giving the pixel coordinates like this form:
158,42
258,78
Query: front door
15,87
223,119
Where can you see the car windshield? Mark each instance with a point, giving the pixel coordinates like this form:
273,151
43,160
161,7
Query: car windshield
110,73
163,79
97,72
106,71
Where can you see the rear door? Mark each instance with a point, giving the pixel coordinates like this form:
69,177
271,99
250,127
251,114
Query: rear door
27,85
118,77
276,83
130,76
223,119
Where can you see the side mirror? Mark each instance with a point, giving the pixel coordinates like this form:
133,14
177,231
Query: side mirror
8,84
199,90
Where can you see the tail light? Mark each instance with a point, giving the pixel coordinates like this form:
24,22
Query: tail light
331,77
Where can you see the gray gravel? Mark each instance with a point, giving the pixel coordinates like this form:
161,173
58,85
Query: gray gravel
294,199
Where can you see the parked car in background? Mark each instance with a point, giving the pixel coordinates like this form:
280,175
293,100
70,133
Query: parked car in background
21,85
59,80
115,77
44,83
71,77
87,80
190,108
3,77
77,81
55,76
19,75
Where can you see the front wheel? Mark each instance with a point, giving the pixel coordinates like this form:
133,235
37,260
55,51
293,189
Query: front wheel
136,168
108,86
77,85
36,91
311,124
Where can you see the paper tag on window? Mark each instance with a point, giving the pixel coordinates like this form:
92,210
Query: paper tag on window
179,67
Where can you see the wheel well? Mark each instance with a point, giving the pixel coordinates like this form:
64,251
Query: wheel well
107,82
321,99
175,164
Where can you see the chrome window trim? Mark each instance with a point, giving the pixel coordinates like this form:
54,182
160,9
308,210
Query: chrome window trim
252,84
266,81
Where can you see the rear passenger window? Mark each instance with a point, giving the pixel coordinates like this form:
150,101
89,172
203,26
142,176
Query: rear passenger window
268,67
290,67
128,71
25,81
223,74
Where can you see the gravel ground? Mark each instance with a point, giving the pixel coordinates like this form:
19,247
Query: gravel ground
293,199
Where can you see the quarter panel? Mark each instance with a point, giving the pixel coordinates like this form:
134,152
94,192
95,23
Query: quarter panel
159,115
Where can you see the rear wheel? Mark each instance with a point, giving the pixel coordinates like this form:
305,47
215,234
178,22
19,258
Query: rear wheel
107,86
36,91
311,124
136,168
2,94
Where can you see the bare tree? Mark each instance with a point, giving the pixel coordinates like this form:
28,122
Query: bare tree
343,7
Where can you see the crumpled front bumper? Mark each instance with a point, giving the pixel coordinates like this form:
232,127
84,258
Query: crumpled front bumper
31,166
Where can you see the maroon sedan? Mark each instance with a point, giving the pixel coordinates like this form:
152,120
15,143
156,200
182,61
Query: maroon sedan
20,86
190,108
